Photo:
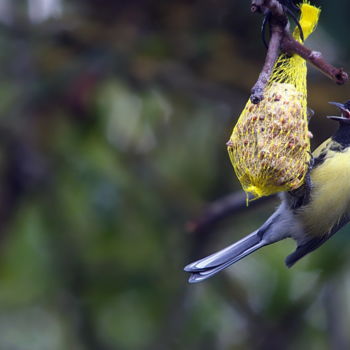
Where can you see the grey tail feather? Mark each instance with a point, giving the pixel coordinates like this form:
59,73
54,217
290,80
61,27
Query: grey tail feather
211,265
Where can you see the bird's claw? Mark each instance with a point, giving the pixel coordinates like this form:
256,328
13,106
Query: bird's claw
311,162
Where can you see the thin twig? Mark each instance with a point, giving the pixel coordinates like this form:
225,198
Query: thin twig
271,57
290,46
221,208
278,22
281,39
274,6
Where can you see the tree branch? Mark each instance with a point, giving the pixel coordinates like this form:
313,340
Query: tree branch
272,6
271,57
281,39
290,46
220,209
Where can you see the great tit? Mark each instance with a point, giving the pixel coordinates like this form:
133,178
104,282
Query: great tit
310,215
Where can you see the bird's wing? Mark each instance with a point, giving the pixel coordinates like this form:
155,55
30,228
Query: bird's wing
323,147
302,195
326,150
314,243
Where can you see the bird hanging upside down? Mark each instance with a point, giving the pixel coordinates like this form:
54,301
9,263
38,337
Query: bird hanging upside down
310,215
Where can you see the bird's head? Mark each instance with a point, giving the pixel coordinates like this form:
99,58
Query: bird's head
345,112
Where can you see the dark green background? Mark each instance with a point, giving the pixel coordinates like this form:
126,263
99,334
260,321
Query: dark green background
113,121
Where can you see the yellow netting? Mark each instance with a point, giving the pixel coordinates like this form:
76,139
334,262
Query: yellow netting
269,146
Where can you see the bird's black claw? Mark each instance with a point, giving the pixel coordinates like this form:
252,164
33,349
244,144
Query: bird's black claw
311,162
310,113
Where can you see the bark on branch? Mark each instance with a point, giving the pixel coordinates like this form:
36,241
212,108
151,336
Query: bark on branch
282,40
271,57
290,46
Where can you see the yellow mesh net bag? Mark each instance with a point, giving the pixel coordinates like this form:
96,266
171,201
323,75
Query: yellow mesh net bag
269,146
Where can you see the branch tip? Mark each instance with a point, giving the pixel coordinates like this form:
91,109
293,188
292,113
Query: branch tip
282,40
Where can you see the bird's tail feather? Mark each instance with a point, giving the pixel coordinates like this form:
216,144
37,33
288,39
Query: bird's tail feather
211,265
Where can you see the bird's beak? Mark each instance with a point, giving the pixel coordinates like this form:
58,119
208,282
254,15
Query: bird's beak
339,119
342,107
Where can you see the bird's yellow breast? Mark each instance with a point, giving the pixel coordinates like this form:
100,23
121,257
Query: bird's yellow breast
330,198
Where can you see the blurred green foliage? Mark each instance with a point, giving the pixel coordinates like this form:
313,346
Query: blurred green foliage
114,118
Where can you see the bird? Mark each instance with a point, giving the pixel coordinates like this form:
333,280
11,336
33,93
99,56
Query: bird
310,214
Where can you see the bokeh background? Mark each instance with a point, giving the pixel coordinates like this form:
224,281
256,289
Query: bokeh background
113,120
